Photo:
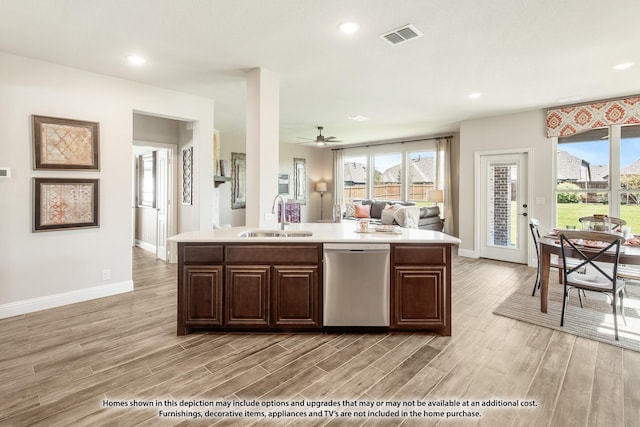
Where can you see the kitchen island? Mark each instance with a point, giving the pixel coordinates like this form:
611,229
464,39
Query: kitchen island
248,279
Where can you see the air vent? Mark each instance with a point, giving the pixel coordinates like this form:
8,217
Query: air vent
402,34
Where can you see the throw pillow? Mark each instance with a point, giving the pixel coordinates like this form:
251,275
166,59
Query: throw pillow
386,216
349,210
363,211
376,209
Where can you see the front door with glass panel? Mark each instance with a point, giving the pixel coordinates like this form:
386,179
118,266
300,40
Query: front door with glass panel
503,207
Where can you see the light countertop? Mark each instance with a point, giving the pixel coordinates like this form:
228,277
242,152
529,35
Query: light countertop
343,232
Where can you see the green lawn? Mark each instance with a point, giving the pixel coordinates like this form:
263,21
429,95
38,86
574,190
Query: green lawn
568,214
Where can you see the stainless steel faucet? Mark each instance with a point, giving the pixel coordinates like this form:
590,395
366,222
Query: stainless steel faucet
282,212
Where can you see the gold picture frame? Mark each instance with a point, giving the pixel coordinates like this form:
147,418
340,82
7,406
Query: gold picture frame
65,144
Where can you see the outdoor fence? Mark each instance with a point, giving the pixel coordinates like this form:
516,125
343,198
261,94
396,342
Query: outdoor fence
417,192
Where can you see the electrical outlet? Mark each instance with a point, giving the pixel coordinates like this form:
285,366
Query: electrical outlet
269,216
106,274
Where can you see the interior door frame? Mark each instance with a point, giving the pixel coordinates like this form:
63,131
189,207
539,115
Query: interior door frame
171,190
477,203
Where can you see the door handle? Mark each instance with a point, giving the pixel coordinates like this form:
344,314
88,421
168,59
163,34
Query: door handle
523,214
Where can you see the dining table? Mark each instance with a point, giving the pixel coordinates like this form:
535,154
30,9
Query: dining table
550,245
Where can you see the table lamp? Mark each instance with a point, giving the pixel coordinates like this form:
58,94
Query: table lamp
435,196
321,187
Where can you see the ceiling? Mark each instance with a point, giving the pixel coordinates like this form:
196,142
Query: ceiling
520,55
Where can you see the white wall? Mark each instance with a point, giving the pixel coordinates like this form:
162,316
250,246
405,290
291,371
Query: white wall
522,130
319,167
40,270
318,162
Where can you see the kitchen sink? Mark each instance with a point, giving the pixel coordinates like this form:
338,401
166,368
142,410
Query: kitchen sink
275,233
298,233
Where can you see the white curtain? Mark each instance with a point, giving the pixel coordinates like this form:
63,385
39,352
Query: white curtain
443,181
338,176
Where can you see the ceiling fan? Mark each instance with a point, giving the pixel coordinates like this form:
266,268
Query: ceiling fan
321,140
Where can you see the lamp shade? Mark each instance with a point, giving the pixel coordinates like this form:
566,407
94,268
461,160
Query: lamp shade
435,196
321,186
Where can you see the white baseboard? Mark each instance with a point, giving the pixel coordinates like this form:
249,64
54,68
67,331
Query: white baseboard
146,246
467,253
50,301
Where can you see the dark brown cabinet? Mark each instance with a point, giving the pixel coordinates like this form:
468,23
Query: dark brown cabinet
421,288
247,296
249,286
203,295
297,297
278,287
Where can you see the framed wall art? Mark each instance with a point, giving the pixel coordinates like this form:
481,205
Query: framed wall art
65,143
238,180
299,181
64,203
187,172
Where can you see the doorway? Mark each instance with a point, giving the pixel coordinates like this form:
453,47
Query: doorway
153,216
503,180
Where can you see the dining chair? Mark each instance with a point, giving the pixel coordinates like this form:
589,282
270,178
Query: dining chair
588,221
624,271
599,279
554,262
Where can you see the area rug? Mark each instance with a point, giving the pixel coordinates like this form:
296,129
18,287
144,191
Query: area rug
594,321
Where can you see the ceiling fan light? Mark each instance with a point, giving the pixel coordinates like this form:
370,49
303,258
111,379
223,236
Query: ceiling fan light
321,143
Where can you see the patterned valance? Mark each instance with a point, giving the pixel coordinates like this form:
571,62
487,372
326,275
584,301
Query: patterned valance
567,121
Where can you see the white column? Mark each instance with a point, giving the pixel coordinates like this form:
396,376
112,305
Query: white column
263,140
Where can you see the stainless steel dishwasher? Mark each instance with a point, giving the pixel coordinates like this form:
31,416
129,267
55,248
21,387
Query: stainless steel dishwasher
356,284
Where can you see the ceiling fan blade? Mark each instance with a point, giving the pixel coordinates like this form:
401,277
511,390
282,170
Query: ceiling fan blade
327,138
302,137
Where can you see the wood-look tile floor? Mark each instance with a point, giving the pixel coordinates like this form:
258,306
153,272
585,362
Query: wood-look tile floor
58,366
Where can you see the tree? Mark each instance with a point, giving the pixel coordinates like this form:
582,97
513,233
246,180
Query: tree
568,197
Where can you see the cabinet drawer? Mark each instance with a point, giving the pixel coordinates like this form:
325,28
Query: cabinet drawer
419,255
200,253
273,254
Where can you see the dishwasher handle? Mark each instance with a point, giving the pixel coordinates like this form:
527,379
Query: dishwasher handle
356,247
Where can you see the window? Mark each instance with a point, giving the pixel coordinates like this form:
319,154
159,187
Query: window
147,180
355,178
630,176
397,171
598,172
387,176
421,169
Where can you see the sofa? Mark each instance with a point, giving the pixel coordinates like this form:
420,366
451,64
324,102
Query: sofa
397,212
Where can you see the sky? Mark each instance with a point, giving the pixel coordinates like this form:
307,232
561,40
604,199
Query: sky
597,153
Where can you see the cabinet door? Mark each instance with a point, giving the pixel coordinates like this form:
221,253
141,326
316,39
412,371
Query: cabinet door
418,297
296,297
202,297
247,296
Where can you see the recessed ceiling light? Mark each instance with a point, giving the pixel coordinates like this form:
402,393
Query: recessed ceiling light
349,27
623,66
136,60
475,95
358,118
